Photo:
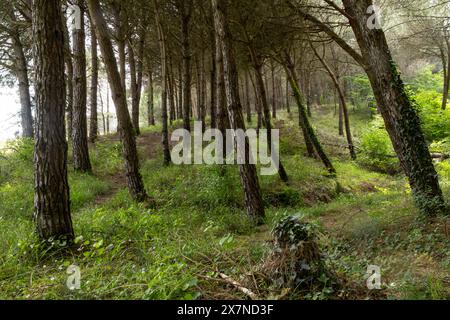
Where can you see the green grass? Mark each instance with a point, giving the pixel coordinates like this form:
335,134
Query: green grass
199,227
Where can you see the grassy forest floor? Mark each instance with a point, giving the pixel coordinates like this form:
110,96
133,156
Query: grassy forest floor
199,228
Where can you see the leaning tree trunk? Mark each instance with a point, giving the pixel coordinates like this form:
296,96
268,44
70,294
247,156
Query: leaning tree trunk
400,117
267,121
51,197
93,128
249,177
125,126
308,130
81,159
343,103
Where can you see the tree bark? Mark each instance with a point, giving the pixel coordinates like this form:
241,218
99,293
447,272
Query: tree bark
81,160
51,197
185,7
249,177
267,121
69,77
247,100
163,49
21,70
150,99
134,89
125,126
213,82
401,119
308,131
343,103
93,128
446,77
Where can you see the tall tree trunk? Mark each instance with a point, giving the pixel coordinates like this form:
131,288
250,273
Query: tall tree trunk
343,103
213,81
249,177
288,96
401,119
171,90
163,48
257,104
223,120
94,86
51,195
446,76
107,107
185,7
203,91
180,90
21,70
274,102
150,99
69,77
267,121
121,21
247,101
81,159
127,136
133,89
308,130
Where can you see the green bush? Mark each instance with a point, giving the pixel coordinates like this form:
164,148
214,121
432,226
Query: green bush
435,121
377,152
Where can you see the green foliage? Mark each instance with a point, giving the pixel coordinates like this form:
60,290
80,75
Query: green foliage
426,80
199,226
377,152
435,121
361,90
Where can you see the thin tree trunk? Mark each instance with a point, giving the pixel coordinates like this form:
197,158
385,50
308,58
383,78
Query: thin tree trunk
248,173
133,89
150,99
247,101
127,135
163,48
180,90
94,86
343,103
81,160
307,128
446,77
51,195
274,102
186,11
213,81
107,107
258,65
257,104
69,77
171,92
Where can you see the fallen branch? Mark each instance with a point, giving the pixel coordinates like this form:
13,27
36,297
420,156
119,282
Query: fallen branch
239,286
442,156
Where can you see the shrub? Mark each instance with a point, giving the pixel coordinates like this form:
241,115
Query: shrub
435,121
377,152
